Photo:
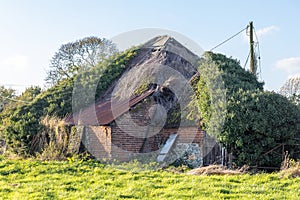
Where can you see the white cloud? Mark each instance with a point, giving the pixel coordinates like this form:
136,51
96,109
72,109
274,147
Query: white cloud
265,31
297,75
261,32
290,65
15,62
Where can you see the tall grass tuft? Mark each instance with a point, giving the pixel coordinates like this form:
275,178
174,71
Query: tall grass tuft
290,168
56,141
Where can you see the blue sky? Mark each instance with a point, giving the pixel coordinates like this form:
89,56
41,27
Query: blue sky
31,31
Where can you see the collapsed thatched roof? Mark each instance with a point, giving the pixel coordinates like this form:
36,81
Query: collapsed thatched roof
163,62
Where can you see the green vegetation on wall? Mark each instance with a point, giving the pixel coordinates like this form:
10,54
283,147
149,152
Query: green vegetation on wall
23,122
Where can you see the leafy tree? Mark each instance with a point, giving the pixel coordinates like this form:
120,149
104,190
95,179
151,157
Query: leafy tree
291,90
30,93
249,121
260,127
79,55
6,96
17,101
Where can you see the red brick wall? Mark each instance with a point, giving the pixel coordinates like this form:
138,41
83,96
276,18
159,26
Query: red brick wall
106,142
114,142
97,140
127,139
190,135
125,145
186,134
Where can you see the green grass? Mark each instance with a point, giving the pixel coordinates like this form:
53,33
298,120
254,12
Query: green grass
32,179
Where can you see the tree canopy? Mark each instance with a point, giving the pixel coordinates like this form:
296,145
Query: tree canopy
79,55
291,90
6,95
260,127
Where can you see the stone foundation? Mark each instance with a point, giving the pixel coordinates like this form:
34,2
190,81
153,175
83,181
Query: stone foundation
187,154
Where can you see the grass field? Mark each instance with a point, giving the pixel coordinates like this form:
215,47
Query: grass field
32,179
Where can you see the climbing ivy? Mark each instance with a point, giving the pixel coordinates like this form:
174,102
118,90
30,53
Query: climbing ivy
249,121
22,122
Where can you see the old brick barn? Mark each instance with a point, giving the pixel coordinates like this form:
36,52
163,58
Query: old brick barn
136,117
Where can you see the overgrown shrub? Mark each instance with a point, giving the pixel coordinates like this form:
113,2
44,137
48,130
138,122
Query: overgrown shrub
21,124
259,126
248,121
56,141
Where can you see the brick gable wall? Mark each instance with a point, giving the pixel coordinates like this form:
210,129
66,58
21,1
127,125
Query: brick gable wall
123,140
97,140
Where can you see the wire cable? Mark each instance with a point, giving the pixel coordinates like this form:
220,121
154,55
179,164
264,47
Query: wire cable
258,53
229,38
14,85
247,60
15,100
